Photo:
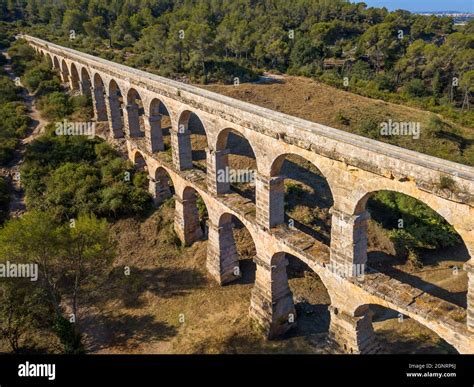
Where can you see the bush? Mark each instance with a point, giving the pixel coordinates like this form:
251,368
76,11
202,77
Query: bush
13,125
4,200
48,87
342,119
369,128
435,124
70,339
415,88
35,75
55,106
361,70
294,190
422,227
225,71
8,91
70,175
447,182
22,56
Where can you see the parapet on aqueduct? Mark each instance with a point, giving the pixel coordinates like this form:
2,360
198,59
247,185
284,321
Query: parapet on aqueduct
355,168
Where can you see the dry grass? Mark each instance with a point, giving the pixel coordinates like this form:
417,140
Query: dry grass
171,283
176,307
314,101
168,304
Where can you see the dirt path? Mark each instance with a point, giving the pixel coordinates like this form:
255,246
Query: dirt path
35,129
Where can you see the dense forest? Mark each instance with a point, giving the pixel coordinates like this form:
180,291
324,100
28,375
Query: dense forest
398,56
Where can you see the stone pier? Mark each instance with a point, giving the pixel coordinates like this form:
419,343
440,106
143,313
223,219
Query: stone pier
181,149
114,115
131,119
186,221
222,258
349,241
271,304
355,334
160,188
469,267
270,193
217,171
98,102
153,134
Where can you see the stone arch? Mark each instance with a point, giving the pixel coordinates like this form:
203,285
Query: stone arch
293,299
139,161
361,204
49,59
388,262
300,196
157,181
99,98
437,204
382,323
75,80
64,72
231,250
234,161
133,114
157,132
190,142
56,65
86,84
115,109
190,216
161,185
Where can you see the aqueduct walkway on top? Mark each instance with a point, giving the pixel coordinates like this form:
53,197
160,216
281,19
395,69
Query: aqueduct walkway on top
355,168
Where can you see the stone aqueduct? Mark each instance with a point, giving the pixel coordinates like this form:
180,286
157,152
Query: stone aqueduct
354,167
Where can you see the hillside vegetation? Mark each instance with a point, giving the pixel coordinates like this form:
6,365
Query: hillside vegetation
315,101
425,61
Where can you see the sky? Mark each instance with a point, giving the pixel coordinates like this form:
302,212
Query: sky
423,5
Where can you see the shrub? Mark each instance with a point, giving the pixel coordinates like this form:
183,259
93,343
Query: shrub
341,118
48,87
22,55
295,190
72,175
369,128
13,125
422,226
35,75
4,200
8,91
55,106
415,88
70,339
447,182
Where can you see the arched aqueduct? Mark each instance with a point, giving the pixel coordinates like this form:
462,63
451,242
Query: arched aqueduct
354,167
